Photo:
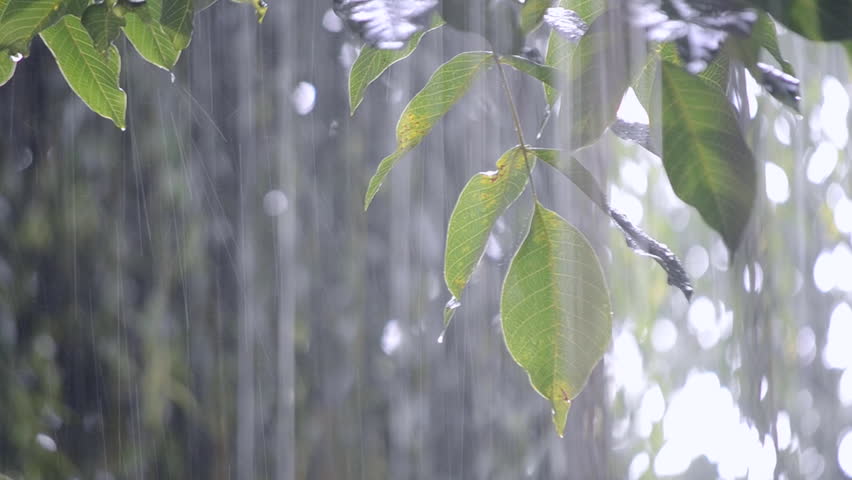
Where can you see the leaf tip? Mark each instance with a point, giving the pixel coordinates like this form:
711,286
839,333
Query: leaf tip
560,415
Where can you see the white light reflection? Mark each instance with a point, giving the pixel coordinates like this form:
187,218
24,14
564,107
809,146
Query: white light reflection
833,112
664,335
391,337
631,109
703,419
777,185
837,353
844,453
822,163
303,98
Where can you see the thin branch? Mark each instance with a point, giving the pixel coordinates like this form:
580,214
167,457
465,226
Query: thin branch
517,121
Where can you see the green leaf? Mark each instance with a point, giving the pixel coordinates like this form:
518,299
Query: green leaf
485,197
532,13
560,50
103,25
76,7
765,35
7,69
176,19
813,19
543,73
148,36
372,62
448,84
555,309
704,153
260,7
21,20
92,76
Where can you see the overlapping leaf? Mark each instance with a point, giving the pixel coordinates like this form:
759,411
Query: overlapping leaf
782,84
148,36
559,48
705,156
21,20
176,19
92,75
103,25
385,24
547,75
599,78
372,62
485,197
555,310
813,19
532,14
7,69
446,86
635,237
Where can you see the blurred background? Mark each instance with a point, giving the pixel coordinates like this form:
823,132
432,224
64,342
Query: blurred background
202,295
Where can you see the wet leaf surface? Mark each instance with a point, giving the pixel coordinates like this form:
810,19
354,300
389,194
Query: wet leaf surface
699,28
485,197
555,310
704,153
446,86
385,24
92,75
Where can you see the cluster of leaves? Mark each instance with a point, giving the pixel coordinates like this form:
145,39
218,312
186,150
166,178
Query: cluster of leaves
81,35
555,307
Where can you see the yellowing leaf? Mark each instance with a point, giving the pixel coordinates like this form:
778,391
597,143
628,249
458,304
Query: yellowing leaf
555,310
372,62
485,197
448,84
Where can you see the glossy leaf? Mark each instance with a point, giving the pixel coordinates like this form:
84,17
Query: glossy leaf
555,310
560,49
485,197
176,19
370,65
385,24
21,20
813,19
93,76
103,25
148,36
7,69
446,86
704,153
532,14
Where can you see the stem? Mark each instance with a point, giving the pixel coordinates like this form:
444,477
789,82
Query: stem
517,121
